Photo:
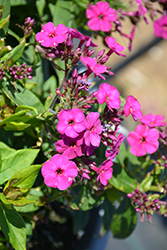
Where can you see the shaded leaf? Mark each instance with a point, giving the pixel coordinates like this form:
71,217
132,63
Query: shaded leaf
124,220
6,13
23,98
13,227
121,180
109,210
15,53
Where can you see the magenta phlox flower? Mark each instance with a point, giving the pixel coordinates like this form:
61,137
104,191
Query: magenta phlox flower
71,122
101,16
59,172
71,147
88,150
115,147
132,106
160,27
83,173
114,47
141,10
51,36
143,140
110,95
153,120
93,129
105,172
93,66
76,34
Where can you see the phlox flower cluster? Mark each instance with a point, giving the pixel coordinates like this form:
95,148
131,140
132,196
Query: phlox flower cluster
58,42
145,138
81,129
80,135
103,18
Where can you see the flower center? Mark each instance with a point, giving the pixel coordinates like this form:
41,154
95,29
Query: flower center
59,171
71,122
101,16
52,34
143,139
165,27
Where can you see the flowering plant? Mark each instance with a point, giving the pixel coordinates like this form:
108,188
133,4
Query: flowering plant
61,145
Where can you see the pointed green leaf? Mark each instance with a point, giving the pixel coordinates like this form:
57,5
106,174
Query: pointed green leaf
15,162
5,150
146,183
23,98
13,227
25,178
4,21
124,220
6,13
121,180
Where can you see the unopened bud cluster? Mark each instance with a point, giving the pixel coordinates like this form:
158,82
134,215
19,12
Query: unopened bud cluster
28,25
2,73
20,71
144,204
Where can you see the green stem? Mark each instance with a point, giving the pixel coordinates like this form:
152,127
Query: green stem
156,189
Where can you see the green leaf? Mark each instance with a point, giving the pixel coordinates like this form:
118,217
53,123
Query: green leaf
5,150
109,210
61,12
40,4
81,3
6,14
15,53
146,183
85,198
121,180
124,220
122,154
25,178
13,227
18,2
114,194
15,162
23,98
1,10
4,21
5,201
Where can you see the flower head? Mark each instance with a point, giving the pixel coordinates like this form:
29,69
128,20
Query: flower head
71,122
114,47
59,172
132,106
143,140
110,95
105,172
101,16
93,66
153,120
160,27
71,147
51,36
94,129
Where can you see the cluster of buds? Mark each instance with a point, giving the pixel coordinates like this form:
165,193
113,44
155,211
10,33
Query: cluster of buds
28,25
19,72
2,73
144,204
